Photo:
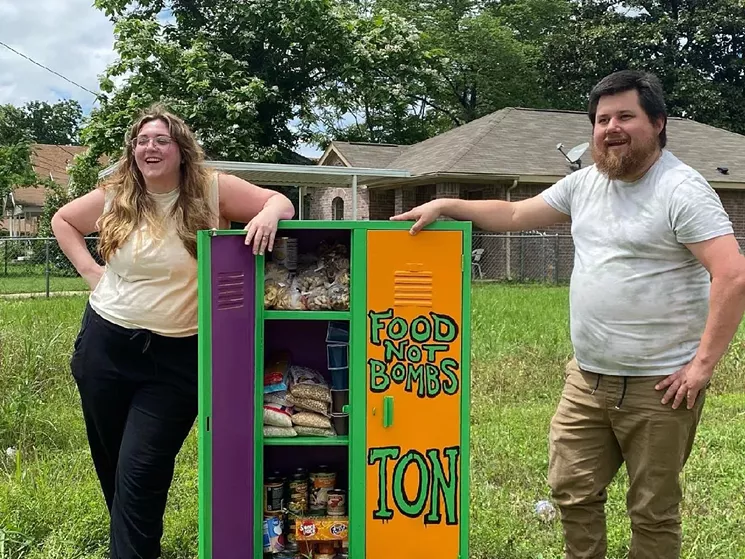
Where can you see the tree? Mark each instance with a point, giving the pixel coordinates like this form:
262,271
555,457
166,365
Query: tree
41,122
247,76
56,124
15,152
15,168
695,48
469,62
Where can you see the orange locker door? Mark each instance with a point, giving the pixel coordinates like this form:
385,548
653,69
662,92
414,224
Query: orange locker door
414,317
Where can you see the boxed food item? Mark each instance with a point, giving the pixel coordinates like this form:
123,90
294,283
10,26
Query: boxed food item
322,529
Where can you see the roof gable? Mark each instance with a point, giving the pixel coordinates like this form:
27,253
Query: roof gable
363,154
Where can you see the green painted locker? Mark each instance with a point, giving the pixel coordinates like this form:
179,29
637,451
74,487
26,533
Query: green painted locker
380,321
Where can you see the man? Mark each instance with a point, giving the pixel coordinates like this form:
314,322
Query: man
657,293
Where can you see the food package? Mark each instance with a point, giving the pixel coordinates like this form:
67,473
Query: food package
309,404
273,431
280,397
288,297
318,299
277,416
334,258
338,296
305,431
277,273
310,278
311,419
321,529
276,373
307,383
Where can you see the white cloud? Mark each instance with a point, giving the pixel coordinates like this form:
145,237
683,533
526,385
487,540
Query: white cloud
70,37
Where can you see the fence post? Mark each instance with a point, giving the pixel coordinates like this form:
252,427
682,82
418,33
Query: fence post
46,270
543,258
522,258
556,261
5,244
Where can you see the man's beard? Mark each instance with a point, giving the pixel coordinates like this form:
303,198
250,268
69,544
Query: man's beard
619,165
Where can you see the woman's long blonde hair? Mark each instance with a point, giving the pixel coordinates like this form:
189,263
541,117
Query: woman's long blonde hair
131,204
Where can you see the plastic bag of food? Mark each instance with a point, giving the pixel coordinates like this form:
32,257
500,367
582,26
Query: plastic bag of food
280,397
311,419
290,298
272,431
334,258
318,299
342,277
314,431
338,296
311,405
272,291
307,383
310,278
277,273
276,373
278,416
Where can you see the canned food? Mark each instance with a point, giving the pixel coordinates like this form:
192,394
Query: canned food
273,494
337,502
273,534
285,252
298,498
292,544
320,483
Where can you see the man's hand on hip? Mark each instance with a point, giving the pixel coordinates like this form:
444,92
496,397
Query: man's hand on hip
686,383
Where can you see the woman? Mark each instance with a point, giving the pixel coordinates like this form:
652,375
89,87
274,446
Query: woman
135,357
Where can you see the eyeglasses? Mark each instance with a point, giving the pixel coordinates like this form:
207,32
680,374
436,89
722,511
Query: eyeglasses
160,141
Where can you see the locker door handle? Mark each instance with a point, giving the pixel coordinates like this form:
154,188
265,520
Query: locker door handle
387,411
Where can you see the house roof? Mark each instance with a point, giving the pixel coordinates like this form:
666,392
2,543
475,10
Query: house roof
364,154
519,142
47,161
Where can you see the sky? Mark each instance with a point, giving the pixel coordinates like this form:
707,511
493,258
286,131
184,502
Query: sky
70,37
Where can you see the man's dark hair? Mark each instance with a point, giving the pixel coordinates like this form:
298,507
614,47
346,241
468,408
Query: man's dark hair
649,88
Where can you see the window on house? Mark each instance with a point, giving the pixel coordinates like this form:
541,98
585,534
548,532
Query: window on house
474,194
337,208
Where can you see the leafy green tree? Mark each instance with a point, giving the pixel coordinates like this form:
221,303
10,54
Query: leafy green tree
56,124
695,48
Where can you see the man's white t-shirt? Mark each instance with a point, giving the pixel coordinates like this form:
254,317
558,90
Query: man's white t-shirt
639,299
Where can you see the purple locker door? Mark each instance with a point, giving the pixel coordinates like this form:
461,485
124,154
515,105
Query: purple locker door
233,378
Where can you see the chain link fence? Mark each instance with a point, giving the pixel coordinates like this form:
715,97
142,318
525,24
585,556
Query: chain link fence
526,257
522,257
36,265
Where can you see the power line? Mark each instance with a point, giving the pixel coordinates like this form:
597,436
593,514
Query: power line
49,69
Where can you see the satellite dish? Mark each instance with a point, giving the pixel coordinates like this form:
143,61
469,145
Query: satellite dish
574,154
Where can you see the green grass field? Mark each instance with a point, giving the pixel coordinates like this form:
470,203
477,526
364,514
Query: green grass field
31,278
51,507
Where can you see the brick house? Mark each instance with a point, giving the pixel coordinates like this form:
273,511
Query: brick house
22,208
512,154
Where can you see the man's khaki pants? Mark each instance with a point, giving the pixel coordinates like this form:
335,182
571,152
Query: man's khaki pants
601,422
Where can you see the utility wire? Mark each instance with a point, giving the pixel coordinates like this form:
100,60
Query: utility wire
48,69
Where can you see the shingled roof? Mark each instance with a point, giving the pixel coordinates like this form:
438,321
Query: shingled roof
519,142
47,161
364,154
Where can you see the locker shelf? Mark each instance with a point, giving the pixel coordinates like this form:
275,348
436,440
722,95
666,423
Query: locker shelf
307,315
306,441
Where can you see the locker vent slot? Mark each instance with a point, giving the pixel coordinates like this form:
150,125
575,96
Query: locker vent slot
230,290
412,288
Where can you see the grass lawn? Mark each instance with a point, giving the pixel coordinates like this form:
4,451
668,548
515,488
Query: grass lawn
30,278
38,284
51,507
